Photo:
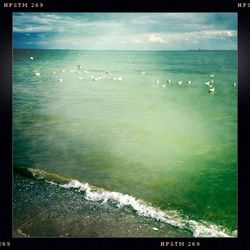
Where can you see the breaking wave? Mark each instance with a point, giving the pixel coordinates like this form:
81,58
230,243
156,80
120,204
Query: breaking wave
172,217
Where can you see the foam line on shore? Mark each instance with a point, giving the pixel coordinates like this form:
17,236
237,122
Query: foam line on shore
171,217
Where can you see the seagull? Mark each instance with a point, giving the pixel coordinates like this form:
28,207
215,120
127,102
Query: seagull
118,78
80,77
168,81
163,85
31,58
36,72
212,75
143,73
179,82
63,70
157,82
211,90
188,82
209,84
60,80
234,84
96,78
53,72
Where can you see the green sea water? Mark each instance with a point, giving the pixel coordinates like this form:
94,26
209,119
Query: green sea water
109,123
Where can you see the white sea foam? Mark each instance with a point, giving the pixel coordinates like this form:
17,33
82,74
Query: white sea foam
172,217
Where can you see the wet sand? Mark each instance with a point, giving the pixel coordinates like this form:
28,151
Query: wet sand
41,209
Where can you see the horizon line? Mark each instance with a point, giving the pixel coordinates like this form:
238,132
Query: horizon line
199,49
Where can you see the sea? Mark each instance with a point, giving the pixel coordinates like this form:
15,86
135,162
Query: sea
153,131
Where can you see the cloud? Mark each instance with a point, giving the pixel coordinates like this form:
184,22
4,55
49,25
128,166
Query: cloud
156,39
32,29
172,37
150,31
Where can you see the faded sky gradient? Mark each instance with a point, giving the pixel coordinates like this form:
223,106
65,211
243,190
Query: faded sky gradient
125,31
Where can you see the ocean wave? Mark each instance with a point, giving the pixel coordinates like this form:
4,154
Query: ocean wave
175,218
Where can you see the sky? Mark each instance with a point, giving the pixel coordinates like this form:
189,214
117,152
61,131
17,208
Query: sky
125,31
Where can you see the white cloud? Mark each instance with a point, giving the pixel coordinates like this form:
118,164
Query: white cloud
215,33
156,39
136,31
231,33
32,29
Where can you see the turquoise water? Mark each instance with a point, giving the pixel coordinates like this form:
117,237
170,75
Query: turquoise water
108,123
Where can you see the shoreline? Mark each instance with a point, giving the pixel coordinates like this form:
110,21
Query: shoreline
42,210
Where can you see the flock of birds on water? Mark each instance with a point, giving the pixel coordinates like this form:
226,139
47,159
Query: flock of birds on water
210,83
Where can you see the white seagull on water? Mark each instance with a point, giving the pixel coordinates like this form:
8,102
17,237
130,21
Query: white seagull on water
209,84
36,72
211,90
